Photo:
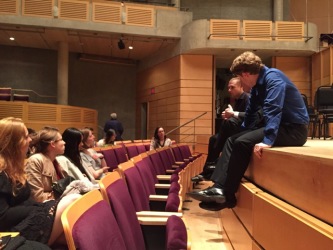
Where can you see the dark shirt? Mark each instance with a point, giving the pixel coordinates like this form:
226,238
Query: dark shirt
241,104
116,126
13,209
280,100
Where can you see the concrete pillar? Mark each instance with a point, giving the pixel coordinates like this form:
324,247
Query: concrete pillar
176,3
62,90
278,10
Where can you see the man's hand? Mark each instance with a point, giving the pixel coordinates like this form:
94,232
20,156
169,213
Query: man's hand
228,112
257,150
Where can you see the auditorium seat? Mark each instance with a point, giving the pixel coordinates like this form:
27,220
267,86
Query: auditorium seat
151,182
131,149
120,153
168,231
5,94
141,148
86,227
110,158
21,98
141,199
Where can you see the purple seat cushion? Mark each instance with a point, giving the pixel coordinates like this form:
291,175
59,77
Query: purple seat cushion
141,148
121,154
174,188
93,231
110,159
176,235
172,203
124,211
137,190
131,151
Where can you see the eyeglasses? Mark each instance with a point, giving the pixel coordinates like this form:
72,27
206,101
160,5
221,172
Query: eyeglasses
58,140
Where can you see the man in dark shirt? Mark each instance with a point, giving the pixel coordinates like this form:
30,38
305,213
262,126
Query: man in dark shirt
116,125
286,124
232,120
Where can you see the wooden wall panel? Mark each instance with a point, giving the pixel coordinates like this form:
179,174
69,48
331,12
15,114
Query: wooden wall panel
298,70
182,91
163,103
318,12
326,67
291,226
39,115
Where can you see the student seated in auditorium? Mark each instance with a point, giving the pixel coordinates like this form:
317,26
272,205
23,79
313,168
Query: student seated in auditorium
71,161
35,221
109,139
232,118
31,149
116,125
42,168
286,124
160,139
92,160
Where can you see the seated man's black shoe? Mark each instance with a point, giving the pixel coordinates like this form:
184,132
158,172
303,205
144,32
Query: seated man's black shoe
214,206
211,194
197,178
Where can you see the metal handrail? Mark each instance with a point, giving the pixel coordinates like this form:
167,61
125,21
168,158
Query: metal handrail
30,90
180,126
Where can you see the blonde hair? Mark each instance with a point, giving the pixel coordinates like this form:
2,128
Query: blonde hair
13,137
246,62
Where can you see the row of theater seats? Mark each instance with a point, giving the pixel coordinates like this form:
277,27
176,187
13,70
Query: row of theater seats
123,151
7,95
142,201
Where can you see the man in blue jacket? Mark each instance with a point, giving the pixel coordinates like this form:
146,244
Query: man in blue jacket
285,124
116,125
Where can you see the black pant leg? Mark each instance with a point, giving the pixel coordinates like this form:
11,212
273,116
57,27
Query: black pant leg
221,171
212,152
216,142
288,135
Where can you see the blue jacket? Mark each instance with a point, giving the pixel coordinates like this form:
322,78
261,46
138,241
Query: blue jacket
281,101
116,126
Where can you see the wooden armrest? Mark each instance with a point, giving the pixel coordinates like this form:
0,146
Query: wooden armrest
155,197
157,214
164,186
155,221
163,177
13,234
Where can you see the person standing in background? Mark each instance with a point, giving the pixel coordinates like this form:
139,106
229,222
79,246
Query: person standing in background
116,125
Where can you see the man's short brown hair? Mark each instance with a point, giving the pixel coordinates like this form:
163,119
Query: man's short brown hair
246,62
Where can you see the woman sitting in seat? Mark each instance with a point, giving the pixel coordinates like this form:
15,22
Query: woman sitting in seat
42,168
109,139
33,220
92,160
160,139
71,161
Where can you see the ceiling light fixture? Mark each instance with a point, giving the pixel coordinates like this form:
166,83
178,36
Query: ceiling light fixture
121,44
130,47
12,38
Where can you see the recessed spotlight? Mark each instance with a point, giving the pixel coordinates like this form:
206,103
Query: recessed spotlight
12,38
130,47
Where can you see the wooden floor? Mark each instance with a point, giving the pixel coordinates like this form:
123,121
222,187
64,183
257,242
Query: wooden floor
205,226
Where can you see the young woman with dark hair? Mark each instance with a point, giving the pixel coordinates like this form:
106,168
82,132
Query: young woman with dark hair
160,139
71,161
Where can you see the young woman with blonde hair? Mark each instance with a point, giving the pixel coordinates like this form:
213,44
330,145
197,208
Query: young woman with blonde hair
33,220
